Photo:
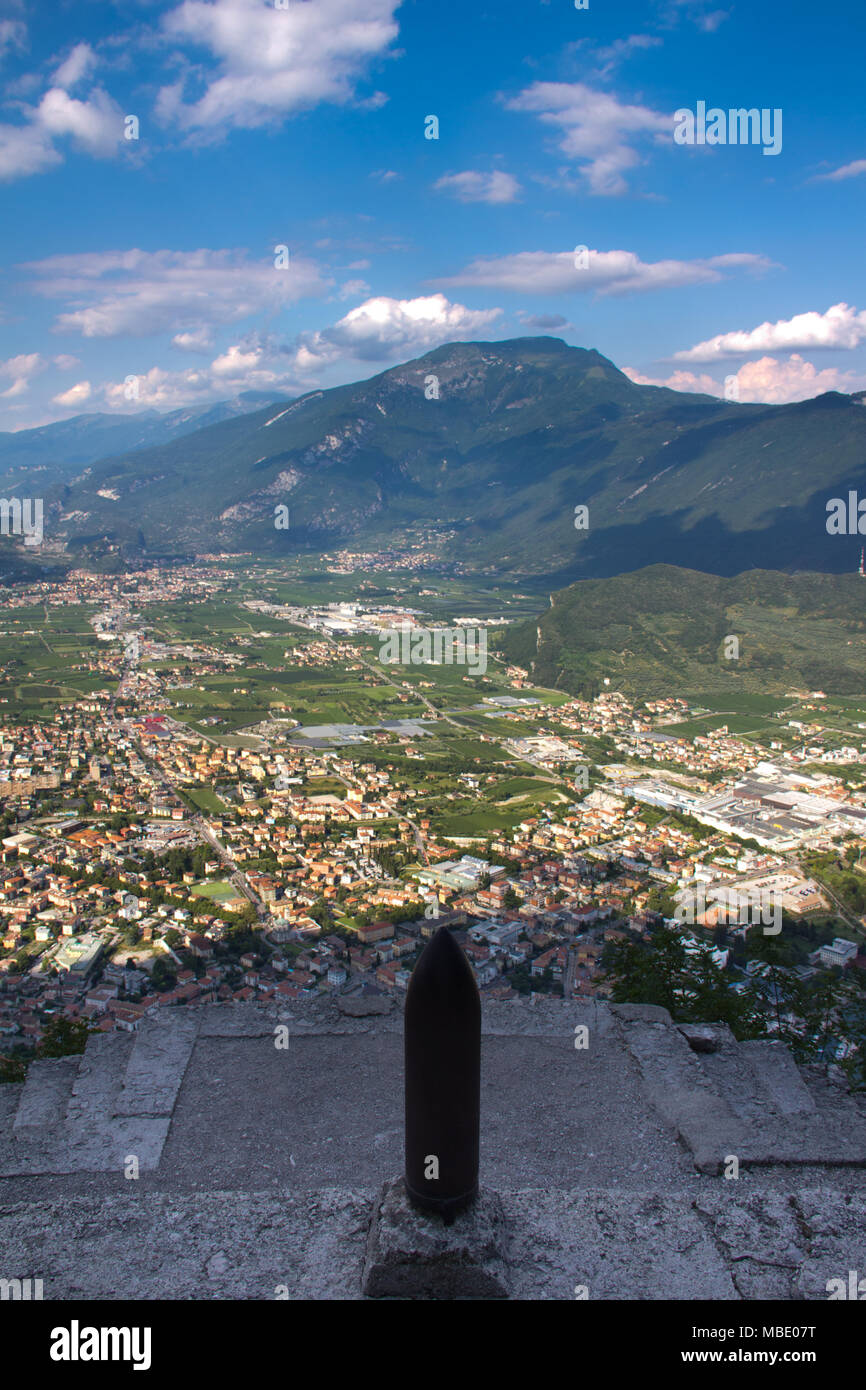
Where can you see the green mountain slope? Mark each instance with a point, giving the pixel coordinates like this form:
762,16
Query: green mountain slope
492,468
663,630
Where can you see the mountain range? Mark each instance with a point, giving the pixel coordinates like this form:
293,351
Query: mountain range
484,453
56,452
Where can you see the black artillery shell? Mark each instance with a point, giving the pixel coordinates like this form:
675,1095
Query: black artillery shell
442,1031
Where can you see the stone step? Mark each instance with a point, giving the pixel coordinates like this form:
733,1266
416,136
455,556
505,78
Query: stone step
97,1146
799,1140
99,1078
678,1086
10,1092
745,1100
778,1076
45,1094
157,1063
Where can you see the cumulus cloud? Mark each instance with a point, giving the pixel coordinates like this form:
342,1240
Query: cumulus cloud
840,327
597,131
242,367
235,362
143,292
474,187
94,125
78,65
382,328
376,330
602,272
678,381
768,381
269,64
75,396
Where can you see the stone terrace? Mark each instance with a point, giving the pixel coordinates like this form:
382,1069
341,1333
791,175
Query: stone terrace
262,1166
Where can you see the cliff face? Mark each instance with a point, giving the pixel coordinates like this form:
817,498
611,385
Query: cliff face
621,1154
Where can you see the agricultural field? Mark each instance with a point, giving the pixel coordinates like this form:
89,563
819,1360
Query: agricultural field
47,657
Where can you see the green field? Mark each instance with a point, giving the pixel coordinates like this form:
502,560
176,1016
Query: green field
218,890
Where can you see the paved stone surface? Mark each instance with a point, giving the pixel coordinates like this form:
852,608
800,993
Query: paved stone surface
262,1166
726,1244
335,1113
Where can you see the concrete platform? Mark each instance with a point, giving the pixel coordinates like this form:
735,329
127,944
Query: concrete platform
262,1167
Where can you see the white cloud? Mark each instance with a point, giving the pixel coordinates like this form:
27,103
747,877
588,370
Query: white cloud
545,323
162,390
610,58
24,150
21,369
235,362
242,367
847,171
598,132
474,187
271,63
768,381
840,327
376,330
699,11
75,396
25,364
353,288
13,34
78,65
17,388
64,362
601,272
382,328
678,381
96,125
199,341
143,292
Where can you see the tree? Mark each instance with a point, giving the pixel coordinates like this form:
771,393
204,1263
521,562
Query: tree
677,975
163,976
64,1037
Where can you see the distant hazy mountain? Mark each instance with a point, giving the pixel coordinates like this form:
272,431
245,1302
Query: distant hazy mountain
488,448
57,452
669,631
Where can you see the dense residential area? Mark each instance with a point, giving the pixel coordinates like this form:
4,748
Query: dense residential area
175,837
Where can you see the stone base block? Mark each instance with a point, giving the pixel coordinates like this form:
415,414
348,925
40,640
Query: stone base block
414,1255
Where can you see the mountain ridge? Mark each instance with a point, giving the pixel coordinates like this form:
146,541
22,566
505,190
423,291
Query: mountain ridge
482,452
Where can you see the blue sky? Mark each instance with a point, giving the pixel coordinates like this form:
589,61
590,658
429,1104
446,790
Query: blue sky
301,124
